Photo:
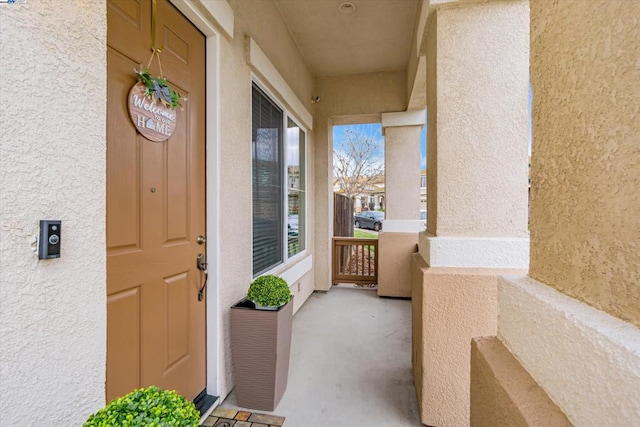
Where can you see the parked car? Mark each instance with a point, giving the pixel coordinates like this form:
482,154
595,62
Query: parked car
369,219
292,224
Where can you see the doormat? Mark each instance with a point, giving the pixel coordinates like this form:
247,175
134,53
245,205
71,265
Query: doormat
224,417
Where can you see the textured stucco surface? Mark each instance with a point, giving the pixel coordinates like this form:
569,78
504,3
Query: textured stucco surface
483,252
261,21
503,394
431,58
376,38
585,166
358,98
416,78
402,172
394,263
302,290
586,360
450,306
52,166
478,74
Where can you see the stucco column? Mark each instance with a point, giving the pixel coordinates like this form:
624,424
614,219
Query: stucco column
477,195
399,235
577,317
402,164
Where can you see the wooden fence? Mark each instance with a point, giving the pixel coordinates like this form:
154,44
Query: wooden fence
355,260
342,216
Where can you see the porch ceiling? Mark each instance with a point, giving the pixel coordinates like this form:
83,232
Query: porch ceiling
376,37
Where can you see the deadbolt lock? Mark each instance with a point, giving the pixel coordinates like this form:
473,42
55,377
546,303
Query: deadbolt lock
201,240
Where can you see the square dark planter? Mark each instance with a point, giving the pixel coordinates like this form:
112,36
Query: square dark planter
261,348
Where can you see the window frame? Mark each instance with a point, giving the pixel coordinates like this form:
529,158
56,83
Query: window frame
303,190
286,115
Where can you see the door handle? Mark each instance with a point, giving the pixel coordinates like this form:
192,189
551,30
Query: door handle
201,264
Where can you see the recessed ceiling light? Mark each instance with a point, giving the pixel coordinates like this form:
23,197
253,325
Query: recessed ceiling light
346,8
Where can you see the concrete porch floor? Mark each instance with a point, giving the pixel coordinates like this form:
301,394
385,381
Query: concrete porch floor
350,363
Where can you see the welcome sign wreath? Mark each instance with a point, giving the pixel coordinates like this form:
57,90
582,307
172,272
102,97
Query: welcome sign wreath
152,104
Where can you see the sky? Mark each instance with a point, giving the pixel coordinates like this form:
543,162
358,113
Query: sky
374,130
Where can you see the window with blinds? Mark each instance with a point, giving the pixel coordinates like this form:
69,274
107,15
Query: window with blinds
267,179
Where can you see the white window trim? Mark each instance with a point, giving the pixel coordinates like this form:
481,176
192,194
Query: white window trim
285,194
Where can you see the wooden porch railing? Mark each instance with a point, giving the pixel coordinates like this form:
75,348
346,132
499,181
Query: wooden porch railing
355,260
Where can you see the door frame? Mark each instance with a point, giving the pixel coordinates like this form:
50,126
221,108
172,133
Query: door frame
212,187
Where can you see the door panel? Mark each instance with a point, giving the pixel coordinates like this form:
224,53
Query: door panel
155,209
177,208
129,27
123,160
123,186
123,336
177,306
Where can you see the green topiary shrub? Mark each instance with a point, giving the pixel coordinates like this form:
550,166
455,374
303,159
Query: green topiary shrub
269,291
149,407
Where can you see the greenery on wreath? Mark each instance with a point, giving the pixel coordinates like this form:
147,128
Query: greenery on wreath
269,291
149,407
159,89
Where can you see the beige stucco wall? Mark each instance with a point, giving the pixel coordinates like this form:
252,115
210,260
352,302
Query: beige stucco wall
359,98
503,394
261,21
301,290
394,263
478,76
416,68
52,166
448,310
450,306
585,226
477,56
432,122
402,172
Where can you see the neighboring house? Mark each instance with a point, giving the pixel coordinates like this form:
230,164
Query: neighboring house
243,187
371,198
376,196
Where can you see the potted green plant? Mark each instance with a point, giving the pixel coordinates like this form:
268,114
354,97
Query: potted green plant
261,343
150,407
269,292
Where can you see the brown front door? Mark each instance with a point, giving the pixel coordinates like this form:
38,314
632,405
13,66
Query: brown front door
155,209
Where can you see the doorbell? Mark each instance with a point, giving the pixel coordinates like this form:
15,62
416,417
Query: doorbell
49,239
